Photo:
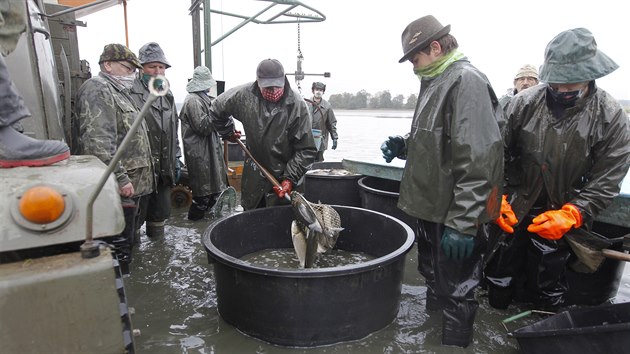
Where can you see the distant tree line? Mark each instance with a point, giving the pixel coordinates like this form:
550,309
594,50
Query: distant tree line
365,100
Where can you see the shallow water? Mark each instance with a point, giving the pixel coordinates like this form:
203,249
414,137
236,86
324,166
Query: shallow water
172,286
285,259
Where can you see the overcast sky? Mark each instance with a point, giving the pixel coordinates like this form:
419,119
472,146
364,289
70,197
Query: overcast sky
359,42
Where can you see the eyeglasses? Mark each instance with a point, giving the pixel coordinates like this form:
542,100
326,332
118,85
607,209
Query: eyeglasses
129,68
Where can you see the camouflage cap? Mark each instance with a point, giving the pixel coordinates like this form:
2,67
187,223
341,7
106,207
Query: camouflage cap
151,53
572,57
527,70
118,52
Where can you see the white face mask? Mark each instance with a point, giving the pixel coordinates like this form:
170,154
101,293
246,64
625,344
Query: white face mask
318,93
127,80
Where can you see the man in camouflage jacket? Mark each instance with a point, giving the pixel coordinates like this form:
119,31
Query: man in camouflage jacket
105,113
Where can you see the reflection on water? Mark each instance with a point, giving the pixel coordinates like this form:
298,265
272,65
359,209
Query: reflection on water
285,259
172,289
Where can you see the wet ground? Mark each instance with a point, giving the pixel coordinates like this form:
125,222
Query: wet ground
171,287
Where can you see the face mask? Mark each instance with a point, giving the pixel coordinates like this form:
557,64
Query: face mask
127,80
565,98
318,93
272,94
145,78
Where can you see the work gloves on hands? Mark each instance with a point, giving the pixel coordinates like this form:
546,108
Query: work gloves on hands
456,245
553,224
393,147
334,145
234,136
284,189
506,218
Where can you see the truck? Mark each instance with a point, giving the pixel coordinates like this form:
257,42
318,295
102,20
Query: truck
61,286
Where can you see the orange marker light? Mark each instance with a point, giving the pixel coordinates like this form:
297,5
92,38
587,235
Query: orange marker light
41,205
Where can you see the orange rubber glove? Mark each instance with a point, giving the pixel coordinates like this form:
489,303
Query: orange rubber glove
285,188
553,224
506,218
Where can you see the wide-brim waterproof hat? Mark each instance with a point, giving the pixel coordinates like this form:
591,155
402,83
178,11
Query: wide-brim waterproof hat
572,57
420,33
202,80
270,73
119,52
152,53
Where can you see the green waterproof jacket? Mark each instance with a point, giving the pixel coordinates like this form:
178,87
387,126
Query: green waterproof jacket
279,136
163,126
105,113
202,146
454,169
580,158
324,119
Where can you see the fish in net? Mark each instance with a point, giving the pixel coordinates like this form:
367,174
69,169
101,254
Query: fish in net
314,230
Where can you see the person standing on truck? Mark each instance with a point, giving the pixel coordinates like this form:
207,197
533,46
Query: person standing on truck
453,175
278,132
207,173
162,123
324,120
567,152
17,149
105,112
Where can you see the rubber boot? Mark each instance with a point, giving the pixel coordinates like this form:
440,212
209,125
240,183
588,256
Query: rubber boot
198,208
124,242
456,336
155,229
18,150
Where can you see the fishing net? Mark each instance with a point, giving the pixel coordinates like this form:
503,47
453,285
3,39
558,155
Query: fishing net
587,247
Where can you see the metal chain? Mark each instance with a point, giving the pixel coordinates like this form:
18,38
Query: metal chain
300,57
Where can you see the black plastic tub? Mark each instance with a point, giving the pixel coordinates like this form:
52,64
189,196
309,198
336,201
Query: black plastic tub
381,194
600,329
331,188
308,307
598,287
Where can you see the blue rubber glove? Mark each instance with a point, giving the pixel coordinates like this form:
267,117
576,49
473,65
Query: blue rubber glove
178,170
456,245
393,147
334,145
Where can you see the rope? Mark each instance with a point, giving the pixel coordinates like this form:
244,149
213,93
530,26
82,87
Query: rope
300,57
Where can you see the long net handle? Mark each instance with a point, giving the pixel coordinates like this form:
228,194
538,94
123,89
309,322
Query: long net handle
268,175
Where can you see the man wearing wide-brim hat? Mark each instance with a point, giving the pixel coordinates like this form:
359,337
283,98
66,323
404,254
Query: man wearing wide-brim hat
207,173
163,126
568,150
453,173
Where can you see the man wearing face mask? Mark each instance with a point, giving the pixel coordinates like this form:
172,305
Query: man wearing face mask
324,120
105,113
278,127
452,181
567,152
162,126
207,173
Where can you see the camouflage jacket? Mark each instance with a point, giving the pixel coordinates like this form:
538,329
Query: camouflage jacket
105,112
163,131
323,119
203,149
279,136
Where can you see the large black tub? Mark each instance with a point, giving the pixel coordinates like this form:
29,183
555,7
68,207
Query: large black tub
330,183
381,194
308,307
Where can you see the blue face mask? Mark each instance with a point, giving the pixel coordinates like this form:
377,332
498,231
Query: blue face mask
565,98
